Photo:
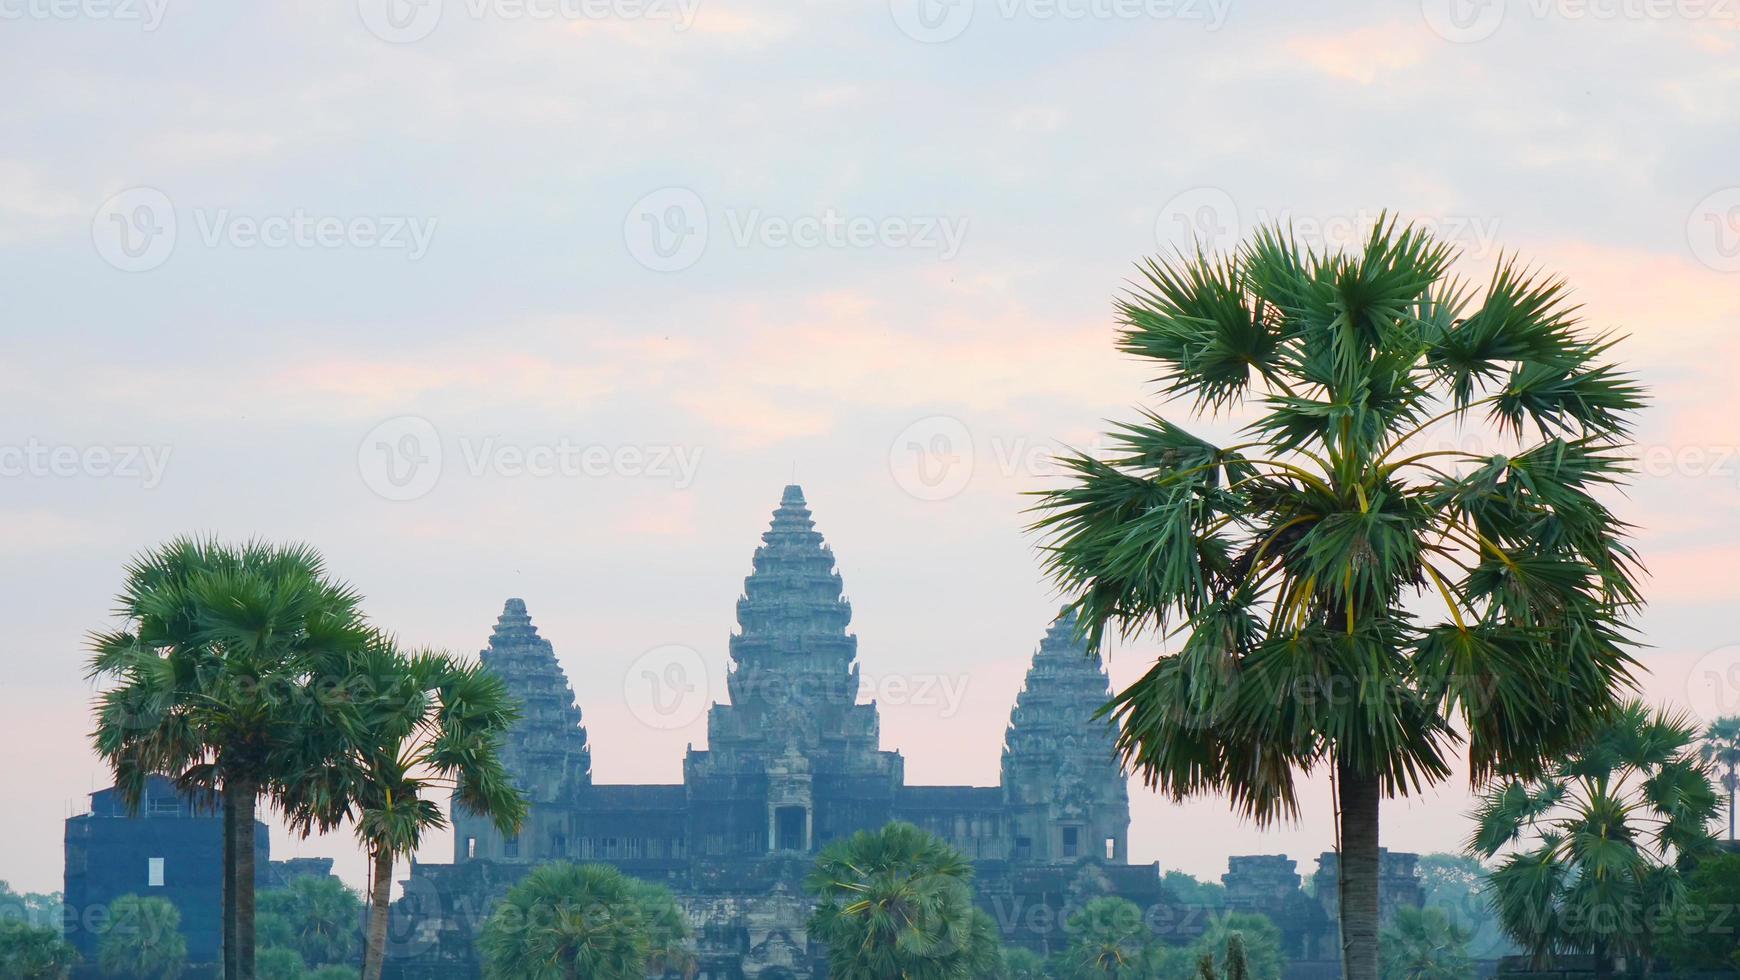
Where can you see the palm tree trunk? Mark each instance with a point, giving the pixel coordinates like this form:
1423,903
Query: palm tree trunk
229,884
1358,866
380,891
1733,785
243,805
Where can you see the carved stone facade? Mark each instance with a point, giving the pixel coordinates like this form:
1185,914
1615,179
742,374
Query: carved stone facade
793,761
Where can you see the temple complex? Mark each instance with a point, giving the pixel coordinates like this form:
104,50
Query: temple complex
793,761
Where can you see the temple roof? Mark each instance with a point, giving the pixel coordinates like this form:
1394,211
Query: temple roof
1063,690
546,750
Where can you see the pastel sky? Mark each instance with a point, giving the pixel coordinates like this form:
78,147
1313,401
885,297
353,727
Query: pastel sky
549,299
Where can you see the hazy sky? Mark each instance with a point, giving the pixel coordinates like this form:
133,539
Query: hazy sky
549,299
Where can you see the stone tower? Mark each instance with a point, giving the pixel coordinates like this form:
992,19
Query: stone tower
1066,794
792,728
545,752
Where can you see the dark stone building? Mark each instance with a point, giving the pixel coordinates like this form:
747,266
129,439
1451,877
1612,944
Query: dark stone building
793,761
171,849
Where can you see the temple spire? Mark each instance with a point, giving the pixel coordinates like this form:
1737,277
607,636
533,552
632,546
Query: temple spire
546,750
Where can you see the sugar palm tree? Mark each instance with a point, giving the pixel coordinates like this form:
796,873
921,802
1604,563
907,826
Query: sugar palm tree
144,941
394,727
1109,940
31,952
1606,830
894,902
208,672
1721,749
1299,560
1425,944
570,922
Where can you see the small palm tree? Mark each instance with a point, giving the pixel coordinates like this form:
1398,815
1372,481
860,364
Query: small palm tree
1721,749
1108,940
571,922
1021,964
1298,561
395,726
1424,944
894,902
209,670
1609,827
144,940
315,915
30,952
1256,939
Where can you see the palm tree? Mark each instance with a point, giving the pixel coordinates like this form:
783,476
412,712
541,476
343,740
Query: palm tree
895,902
30,952
315,915
1609,826
1109,940
1721,749
568,922
1021,964
209,667
397,725
1293,558
1256,939
1424,944
667,930
144,940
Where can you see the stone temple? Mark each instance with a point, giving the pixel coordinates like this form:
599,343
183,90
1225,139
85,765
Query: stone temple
793,761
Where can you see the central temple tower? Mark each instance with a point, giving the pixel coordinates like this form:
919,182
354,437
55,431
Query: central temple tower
792,759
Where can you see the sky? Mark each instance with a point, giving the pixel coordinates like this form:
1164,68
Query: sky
550,298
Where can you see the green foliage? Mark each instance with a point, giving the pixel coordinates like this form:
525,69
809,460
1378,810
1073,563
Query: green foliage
1706,933
1721,750
1193,893
317,916
29,952
1425,944
1109,939
1291,562
897,902
1020,964
144,940
568,921
279,963
331,973
1595,844
47,910
1455,884
1256,940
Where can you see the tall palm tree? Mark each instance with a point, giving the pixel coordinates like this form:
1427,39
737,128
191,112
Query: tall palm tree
394,726
144,941
1293,559
1608,827
1721,749
571,922
894,902
209,671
